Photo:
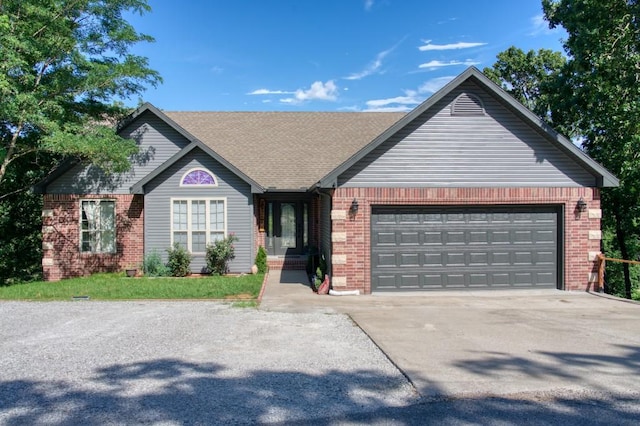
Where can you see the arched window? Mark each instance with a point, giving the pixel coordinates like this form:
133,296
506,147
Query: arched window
198,177
467,104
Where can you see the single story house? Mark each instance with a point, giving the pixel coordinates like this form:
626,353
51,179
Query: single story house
470,190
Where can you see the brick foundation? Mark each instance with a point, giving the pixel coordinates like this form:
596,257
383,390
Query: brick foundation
351,255
61,237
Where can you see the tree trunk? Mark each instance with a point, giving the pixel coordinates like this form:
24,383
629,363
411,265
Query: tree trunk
624,252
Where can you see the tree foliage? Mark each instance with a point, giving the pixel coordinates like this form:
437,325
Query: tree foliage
529,77
604,103
64,62
65,67
595,96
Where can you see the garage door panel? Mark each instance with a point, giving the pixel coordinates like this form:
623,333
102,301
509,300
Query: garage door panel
454,238
454,247
545,237
433,238
410,281
545,258
479,259
433,259
409,218
410,238
409,259
522,237
384,260
499,237
385,238
478,237
455,259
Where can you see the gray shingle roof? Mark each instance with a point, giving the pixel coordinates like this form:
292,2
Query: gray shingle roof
285,150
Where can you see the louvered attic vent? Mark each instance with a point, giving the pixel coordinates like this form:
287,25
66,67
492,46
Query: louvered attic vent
467,104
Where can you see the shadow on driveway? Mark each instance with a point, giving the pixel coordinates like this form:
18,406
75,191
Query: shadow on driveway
177,392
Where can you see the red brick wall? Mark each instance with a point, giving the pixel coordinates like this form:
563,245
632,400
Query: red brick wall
579,246
61,234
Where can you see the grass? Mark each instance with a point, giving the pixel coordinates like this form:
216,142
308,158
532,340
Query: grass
120,287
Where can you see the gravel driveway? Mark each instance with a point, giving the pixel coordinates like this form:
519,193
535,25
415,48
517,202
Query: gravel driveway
186,363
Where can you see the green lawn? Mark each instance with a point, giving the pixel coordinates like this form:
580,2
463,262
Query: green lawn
119,287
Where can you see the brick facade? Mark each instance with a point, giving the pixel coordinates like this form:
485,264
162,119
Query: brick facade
351,255
61,236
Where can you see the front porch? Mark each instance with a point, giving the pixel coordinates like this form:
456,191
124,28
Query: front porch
288,227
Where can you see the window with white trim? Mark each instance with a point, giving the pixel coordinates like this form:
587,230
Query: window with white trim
197,223
97,226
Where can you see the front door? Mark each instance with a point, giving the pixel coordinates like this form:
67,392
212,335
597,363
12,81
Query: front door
285,227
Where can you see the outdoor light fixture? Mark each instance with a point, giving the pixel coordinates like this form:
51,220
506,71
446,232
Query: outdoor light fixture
353,210
581,206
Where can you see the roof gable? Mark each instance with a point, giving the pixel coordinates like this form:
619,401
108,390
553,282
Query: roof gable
138,188
604,177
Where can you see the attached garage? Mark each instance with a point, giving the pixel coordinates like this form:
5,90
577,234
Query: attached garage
451,248
468,191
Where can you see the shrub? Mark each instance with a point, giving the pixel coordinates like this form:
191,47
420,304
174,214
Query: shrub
179,261
322,266
220,254
261,260
152,265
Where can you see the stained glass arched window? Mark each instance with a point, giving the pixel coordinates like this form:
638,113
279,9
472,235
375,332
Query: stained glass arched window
198,177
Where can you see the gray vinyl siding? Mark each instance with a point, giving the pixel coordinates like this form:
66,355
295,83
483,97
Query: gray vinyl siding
157,142
325,229
239,207
441,149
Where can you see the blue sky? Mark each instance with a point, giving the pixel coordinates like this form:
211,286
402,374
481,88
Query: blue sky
326,55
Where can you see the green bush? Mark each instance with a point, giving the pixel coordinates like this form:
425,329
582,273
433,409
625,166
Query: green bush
261,260
179,261
152,265
219,254
323,266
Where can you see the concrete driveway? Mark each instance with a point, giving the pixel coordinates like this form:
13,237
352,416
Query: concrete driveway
515,343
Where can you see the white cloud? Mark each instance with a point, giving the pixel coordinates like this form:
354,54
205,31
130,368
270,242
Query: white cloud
389,109
435,84
432,65
410,99
451,46
368,4
540,26
216,69
318,91
269,92
373,67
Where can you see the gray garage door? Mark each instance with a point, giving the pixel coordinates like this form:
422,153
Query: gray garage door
433,248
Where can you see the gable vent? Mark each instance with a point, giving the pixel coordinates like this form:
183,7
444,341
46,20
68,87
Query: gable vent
467,104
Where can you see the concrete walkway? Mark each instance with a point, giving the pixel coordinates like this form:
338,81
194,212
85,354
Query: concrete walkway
489,343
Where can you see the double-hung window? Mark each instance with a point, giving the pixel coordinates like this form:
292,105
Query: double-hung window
97,226
197,223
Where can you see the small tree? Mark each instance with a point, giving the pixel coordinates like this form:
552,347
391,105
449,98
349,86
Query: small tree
152,265
179,261
220,253
261,260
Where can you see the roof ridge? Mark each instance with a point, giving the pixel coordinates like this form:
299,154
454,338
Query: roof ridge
280,112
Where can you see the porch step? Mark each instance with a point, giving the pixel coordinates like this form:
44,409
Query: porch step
287,263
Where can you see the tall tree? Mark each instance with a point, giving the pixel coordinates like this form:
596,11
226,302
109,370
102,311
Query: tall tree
529,77
65,66
603,75
64,62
